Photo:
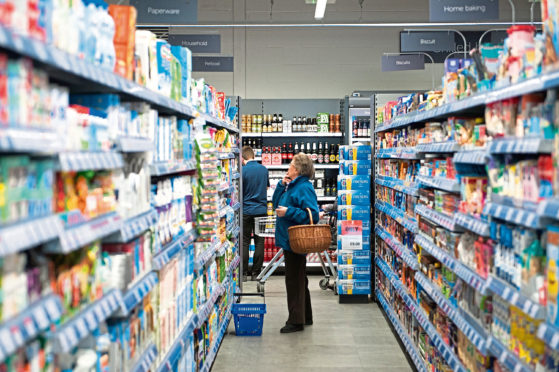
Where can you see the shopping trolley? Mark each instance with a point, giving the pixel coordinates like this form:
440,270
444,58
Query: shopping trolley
265,227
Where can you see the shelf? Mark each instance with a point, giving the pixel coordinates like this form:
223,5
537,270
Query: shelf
438,147
477,339
514,215
398,215
133,226
78,236
521,145
236,176
218,123
471,278
235,150
236,206
397,153
167,168
474,157
215,347
28,234
168,362
206,309
535,84
82,161
505,356
134,144
235,232
292,134
207,255
421,317
550,335
438,218
29,140
515,298
441,183
146,360
234,264
361,140
405,254
549,208
316,166
171,249
404,337
135,295
223,211
326,198
24,327
220,251
407,187
473,224
251,134
226,156
86,321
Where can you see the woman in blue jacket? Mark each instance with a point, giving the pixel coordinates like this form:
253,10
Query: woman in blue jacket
293,195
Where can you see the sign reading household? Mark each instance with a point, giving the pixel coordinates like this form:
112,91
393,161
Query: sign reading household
166,12
403,62
463,10
427,41
212,64
197,43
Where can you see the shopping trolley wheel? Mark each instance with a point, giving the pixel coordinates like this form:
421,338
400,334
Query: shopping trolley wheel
335,289
260,287
323,284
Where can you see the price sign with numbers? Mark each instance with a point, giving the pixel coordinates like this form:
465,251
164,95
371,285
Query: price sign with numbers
352,235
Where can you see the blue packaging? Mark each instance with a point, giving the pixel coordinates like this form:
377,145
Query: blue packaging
354,287
357,272
347,257
356,152
354,183
354,213
355,167
358,197
181,55
164,57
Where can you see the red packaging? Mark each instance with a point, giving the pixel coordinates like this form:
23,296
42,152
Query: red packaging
221,105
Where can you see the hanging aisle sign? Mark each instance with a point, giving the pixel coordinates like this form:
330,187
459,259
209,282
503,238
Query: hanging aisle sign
197,43
166,12
427,41
212,64
403,62
463,10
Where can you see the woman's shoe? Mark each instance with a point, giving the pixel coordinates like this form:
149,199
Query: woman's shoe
290,328
308,322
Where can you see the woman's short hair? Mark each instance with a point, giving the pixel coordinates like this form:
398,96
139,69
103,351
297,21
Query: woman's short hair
304,165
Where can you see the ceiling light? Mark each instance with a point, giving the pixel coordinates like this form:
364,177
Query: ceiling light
320,9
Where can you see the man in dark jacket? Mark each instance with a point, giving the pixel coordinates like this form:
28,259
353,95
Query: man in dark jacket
255,187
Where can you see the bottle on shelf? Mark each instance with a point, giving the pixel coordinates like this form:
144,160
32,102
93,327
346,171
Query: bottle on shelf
355,128
284,153
326,153
308,151
296,149
314,153
332,153
290,153
320,155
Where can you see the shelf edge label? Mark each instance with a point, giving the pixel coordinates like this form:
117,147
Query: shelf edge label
166,12
198,43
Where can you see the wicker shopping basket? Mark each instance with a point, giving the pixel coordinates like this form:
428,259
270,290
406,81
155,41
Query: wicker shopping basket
311,238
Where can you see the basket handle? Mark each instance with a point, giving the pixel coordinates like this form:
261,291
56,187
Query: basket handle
238,294
310,215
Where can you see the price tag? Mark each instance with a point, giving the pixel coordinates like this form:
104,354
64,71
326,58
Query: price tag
52,310
112,302
554,340
29,326
17,336
105,307
81,327
90,320
41,317
98,313
7,341
71,336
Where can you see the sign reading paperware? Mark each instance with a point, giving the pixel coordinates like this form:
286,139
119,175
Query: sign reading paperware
463,10
166,12
198,43
442,41
403,62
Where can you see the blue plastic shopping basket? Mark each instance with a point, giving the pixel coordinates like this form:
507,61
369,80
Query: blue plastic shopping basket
249,318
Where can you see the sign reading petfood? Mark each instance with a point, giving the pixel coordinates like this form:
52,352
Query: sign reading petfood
197,43
213,64
403,62
463,10
427,41
166,12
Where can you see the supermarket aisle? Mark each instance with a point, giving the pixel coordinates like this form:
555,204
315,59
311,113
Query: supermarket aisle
356,337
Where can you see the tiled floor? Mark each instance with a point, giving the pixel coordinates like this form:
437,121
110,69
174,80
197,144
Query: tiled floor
343,338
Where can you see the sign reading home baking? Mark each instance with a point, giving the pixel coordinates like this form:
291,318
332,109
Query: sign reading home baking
212,64
427,41
403,62
166,12
463,10
197,43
